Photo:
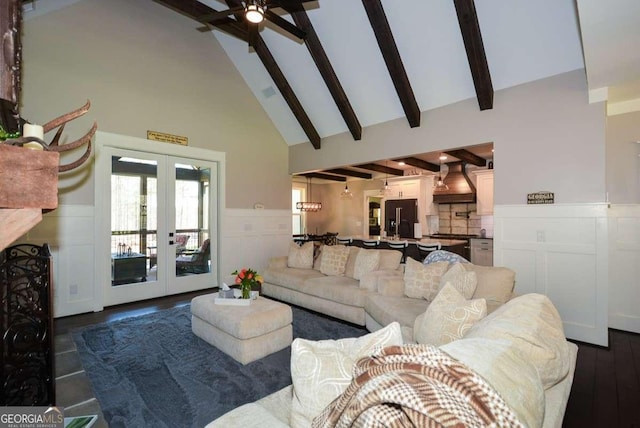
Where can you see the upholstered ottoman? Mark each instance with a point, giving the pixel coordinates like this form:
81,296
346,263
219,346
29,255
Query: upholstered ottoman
246,333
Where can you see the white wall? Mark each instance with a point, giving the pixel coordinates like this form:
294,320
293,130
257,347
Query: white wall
623,158
145,67
560,251
546,137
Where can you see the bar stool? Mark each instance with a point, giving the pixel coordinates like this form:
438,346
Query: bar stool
347,240
370,243
425,249
400,245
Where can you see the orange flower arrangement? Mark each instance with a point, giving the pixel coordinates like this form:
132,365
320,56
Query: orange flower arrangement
247,278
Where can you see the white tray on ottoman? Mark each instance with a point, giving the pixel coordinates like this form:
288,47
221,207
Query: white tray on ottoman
246,333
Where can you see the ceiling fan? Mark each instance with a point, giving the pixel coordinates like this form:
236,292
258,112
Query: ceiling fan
256,11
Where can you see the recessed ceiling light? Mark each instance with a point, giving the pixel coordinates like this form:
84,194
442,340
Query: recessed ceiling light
442,157
401,163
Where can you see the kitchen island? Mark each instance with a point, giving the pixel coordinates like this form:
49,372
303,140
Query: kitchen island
453,245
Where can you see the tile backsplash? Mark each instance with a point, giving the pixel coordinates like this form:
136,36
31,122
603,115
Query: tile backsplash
462,219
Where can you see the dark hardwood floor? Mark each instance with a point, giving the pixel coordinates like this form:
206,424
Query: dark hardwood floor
605,391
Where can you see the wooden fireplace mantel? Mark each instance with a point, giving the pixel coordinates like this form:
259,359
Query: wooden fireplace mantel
15,222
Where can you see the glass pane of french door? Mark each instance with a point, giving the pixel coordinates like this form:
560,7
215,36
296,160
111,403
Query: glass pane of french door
192,219
134,227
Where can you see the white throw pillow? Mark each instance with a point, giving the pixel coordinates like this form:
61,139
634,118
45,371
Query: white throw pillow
321,370
334,260
423,281
463,281
449,317
300,256
366,261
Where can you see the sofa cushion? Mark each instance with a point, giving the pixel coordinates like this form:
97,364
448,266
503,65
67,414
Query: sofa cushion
351,261
386,309
366,261
321,370
300,256
389,259
513,377
533,326
289,277
339,289
334,260
448,317
463,281
423,281
495,284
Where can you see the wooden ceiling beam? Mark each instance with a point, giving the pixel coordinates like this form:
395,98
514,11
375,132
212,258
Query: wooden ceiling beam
287,92
380,168
472,37
193,9
349,172
468,157
387,44
326,70
419,163
324,176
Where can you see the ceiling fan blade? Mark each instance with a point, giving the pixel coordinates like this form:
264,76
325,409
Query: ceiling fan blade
253,33
218,15
284,24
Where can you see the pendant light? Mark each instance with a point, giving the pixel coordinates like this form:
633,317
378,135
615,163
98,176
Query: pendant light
440,185
346,193
309,206
385,189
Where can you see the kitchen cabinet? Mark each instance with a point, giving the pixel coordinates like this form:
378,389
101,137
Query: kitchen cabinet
482,251
406,189
484,191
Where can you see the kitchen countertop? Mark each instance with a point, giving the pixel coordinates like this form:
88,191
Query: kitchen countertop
443,242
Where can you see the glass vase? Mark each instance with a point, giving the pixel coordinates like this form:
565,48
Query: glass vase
246,291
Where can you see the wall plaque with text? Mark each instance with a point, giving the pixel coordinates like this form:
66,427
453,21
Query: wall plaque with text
167,138
540,198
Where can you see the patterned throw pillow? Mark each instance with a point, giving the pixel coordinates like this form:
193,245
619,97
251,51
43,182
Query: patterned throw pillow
334,260
444,256
366,261
463,281
449,317
300,256
423,281
321,370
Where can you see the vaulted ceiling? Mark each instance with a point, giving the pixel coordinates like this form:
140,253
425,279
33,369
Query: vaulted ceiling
370,61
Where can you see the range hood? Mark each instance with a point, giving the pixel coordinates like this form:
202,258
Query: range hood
460,188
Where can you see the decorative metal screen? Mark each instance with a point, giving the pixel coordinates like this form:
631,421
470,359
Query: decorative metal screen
27,327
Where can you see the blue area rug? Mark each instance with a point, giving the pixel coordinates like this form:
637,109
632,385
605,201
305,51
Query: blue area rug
151,371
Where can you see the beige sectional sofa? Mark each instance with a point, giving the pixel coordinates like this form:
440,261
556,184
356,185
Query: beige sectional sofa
516,344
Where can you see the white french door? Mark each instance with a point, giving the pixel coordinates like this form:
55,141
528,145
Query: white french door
158,233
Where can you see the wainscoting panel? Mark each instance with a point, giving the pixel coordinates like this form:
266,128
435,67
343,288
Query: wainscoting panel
624,267
560,251
251,237
69,231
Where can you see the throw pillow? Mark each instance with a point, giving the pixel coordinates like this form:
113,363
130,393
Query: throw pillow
334,260
444,256
463,281
423,281
449,317
351,260
366,261
321,370
300,256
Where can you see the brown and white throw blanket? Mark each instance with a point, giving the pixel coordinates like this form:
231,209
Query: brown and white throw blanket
416,386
